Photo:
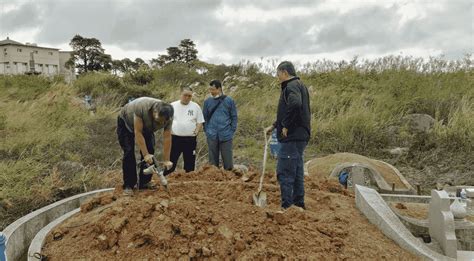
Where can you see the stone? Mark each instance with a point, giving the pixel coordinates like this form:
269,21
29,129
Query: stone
399,151
240,245
441,222
226,232
206,252
358,176
210,231
164,203
280,218
419,122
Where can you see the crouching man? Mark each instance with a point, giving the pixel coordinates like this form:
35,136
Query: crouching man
136,124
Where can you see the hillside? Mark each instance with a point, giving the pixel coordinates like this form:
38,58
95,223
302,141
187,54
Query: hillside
52,146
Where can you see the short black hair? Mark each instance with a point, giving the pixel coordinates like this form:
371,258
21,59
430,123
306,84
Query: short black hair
288,67
216,83
166,111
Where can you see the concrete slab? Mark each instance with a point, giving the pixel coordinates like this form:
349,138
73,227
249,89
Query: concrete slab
372,205
22,231
465,255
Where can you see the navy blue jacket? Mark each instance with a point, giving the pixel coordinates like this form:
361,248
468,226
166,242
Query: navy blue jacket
223,124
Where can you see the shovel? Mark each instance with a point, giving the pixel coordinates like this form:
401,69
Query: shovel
260,198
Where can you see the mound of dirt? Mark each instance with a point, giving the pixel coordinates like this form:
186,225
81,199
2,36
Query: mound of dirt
210,214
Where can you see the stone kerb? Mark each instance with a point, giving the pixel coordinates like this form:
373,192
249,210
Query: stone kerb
20,233
371,204
34,251
441,222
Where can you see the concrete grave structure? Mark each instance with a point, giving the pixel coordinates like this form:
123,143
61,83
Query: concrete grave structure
441,222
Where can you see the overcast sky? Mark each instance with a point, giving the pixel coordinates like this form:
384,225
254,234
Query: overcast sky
228,31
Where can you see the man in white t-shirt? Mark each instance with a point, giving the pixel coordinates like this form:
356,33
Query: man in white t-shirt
187,123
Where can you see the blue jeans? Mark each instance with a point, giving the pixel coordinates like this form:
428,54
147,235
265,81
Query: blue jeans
290,173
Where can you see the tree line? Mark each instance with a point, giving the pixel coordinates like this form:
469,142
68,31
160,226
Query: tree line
88,55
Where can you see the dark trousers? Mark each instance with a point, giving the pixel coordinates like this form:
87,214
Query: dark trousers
222,147
186,146
129,163
290,173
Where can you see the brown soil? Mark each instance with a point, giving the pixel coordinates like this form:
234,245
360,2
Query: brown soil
416,210
325,165
210,214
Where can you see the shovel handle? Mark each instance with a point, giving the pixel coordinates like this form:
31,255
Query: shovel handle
264,163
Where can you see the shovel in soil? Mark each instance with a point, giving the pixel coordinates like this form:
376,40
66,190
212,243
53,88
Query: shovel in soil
260,198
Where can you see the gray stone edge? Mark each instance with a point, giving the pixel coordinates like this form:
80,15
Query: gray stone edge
38,241
20,233
372,205
400,176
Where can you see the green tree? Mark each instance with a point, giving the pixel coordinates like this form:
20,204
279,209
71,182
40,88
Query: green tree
188,51
88,55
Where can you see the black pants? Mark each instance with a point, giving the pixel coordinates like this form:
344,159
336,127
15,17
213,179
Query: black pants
129,163
187,146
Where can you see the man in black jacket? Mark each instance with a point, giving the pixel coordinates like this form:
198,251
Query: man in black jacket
293,126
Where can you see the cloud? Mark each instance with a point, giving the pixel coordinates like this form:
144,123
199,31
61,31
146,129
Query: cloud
231,30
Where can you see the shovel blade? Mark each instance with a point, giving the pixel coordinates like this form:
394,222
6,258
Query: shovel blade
260,199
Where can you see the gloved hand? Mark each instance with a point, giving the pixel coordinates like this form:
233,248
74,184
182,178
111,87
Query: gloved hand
168,164
148,158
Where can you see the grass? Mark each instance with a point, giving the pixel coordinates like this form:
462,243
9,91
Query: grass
354,105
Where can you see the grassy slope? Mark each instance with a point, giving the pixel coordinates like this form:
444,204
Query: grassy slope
42,123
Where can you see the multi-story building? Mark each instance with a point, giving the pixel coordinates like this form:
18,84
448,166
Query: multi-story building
29,58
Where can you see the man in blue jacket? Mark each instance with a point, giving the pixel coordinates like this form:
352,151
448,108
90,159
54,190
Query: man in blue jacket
220,115
293,126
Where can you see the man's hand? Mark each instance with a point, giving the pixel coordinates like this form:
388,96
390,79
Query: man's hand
168,164
148,159
284,132
268,130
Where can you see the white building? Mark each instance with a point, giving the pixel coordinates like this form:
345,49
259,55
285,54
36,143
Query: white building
18,58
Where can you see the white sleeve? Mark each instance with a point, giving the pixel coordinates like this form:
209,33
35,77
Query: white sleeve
200,117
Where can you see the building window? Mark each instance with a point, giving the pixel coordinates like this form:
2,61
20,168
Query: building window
18,50
5,49
50,53
36,51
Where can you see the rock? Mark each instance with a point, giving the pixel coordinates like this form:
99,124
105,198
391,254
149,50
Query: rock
419,122
210,231
280,218
398,151
161,217
164,203
240,170
240,245
206,252
226,232
118,223
192,253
